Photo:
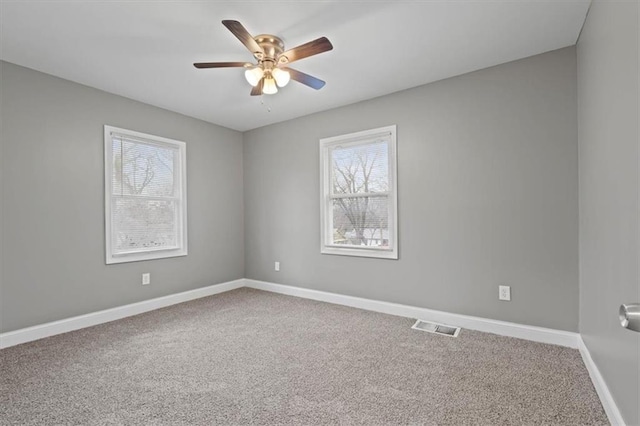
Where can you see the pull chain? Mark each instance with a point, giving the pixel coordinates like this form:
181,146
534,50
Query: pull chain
262,102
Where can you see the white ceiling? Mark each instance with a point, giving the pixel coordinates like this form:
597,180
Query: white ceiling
144,50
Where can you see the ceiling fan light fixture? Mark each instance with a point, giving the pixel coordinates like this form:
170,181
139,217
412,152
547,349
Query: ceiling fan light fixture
254,75
269,87
282,77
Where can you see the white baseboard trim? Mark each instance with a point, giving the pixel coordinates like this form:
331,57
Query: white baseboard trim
528,332
608,403
503,328
29,334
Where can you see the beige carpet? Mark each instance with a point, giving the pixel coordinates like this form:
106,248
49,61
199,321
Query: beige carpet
251,357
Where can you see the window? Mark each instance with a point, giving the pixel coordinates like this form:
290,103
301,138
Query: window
145,196
359,194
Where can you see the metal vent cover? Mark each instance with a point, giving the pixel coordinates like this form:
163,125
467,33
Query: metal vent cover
432,327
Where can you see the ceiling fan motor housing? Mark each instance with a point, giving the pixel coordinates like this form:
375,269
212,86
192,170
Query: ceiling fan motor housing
271,45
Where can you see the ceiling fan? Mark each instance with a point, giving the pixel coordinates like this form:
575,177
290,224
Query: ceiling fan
271,71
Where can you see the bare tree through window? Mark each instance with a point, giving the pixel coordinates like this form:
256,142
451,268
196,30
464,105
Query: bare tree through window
145,213
360,186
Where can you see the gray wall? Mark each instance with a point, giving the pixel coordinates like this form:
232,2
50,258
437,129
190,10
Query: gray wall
488,195
608,143
53,224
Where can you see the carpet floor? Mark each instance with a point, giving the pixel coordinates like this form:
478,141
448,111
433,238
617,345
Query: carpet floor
252,357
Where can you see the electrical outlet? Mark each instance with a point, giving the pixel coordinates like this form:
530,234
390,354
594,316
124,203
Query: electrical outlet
146,279
277,266
504,292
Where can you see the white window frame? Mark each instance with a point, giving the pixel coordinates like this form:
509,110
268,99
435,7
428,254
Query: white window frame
326,226
181,198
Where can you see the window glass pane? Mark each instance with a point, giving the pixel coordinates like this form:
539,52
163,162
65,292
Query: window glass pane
116,166
361,221
141,169
143,224
360,169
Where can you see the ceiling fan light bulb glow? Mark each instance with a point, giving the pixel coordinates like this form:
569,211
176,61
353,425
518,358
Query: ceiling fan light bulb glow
254,75
282,77
269,87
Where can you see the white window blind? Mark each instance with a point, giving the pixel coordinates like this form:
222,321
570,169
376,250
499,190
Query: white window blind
359,207
145,196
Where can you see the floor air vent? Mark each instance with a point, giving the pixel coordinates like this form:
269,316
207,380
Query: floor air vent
433,327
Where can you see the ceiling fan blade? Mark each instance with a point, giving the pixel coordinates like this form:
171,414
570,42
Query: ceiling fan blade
220,64
257,90
243,35
311,48
305,79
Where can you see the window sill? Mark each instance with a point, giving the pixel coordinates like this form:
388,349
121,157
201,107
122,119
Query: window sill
140,256
374,253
